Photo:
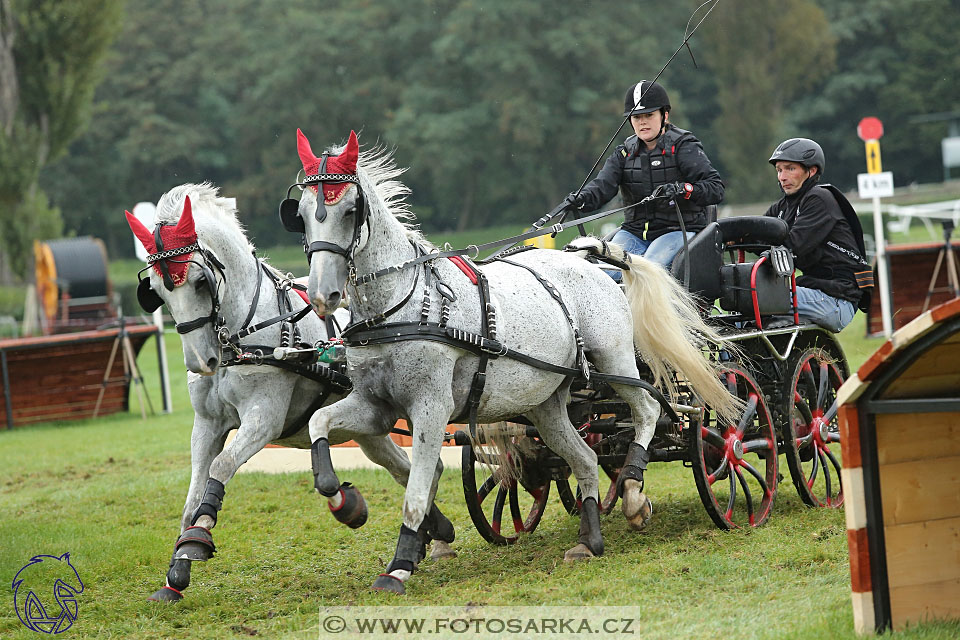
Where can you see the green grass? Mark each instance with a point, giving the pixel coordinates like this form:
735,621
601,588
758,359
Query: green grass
110,492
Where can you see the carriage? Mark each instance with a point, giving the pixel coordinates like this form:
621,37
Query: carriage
786,372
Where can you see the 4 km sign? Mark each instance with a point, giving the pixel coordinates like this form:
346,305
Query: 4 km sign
875,183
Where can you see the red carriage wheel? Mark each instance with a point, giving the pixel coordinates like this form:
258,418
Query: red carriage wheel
503,508
735,463
810,427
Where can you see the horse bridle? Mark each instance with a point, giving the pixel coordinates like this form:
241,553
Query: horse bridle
150,300
293,222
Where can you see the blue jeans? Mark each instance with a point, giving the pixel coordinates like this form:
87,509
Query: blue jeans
661,250
828,312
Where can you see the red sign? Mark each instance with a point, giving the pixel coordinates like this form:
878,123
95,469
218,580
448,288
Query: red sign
870,129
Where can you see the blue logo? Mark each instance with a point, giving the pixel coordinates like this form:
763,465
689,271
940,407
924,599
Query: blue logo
45,593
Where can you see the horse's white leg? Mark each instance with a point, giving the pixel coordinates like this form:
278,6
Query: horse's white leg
355,417
636,506
382,450
559,434
206,441
429,421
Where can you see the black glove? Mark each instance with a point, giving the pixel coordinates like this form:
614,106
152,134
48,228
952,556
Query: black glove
572,201
781,259
677,189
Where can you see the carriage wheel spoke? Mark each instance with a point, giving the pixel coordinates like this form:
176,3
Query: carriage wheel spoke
724,461
830,413
733,498
758,444
816,466
833,461
803,408
822,390
486,488
757,476
809,380
710,435
498,509
732,383
748,414
826,473
746,494
515,510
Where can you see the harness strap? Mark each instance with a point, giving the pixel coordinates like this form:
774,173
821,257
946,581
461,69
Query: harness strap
256,293
555,294
292,316
382,316
477,344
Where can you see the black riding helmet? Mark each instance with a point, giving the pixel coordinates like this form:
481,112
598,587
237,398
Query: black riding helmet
645,97
802,151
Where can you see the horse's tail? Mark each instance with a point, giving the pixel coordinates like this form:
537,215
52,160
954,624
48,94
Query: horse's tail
668,330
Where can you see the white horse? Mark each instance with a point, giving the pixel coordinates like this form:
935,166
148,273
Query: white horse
549,304
216,278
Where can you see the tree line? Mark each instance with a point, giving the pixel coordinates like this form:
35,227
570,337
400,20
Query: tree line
498,107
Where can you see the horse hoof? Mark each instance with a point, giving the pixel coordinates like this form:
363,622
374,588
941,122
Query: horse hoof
353,508
166,594
195,543
386,582
637,508
579,552
440,550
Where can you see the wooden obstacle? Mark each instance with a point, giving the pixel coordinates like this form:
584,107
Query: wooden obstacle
900,432
69,376
911,268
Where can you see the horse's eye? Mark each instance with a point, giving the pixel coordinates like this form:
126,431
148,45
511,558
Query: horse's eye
352,210
201,283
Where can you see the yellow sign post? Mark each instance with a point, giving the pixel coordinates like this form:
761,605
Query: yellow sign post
873,156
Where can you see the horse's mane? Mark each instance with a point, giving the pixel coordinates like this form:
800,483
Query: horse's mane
378,172
215,217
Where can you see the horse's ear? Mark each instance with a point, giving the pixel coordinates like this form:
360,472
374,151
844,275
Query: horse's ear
305,152
143,234
348,159
185,226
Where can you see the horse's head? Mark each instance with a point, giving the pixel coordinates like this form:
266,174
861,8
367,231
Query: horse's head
188,285
331,214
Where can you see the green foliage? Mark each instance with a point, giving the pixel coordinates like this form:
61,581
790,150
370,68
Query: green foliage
780,49
55,48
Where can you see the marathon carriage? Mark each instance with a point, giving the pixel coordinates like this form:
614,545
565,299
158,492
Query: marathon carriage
786,372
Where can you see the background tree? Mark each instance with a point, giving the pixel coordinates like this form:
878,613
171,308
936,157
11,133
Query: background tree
50,53
762,55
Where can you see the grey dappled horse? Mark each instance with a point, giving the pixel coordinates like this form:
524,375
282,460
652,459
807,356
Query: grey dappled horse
214,276
356,230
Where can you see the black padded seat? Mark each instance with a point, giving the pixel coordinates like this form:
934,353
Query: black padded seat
706,258
754,230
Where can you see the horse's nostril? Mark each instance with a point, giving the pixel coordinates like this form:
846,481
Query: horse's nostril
334,300
212,363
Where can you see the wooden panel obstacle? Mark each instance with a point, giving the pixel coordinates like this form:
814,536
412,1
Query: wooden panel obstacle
900,434
69,376
912,266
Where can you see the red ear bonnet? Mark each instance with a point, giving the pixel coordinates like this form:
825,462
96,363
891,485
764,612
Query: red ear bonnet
346,162
181,235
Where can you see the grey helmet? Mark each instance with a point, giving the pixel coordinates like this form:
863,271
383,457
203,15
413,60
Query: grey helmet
802,151
654,98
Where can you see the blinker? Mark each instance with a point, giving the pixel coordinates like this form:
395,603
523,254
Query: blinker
149,299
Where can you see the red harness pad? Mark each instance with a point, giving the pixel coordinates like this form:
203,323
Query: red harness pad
464,266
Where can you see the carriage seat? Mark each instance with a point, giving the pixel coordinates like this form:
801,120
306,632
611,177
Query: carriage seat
710,279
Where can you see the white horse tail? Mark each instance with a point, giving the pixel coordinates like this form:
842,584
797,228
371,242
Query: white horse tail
669,331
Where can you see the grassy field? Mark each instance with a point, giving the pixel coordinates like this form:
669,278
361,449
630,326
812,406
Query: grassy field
110,492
